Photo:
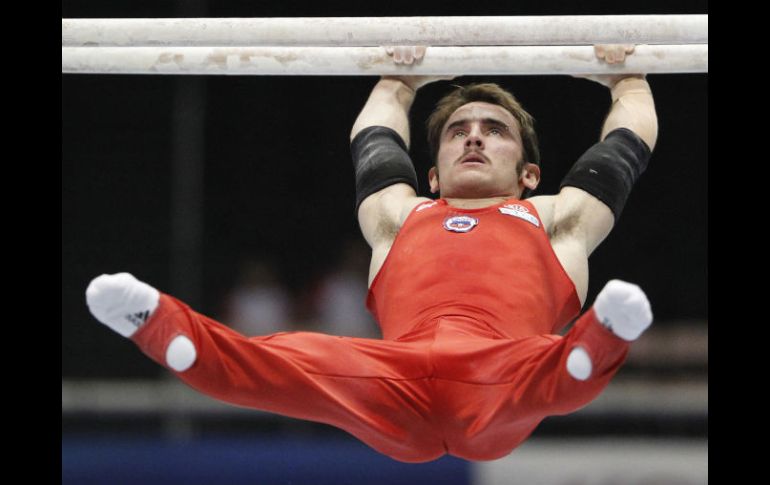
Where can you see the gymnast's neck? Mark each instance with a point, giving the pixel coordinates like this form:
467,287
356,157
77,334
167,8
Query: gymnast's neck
475,203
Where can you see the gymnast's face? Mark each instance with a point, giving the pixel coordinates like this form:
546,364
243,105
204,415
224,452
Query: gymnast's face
480,154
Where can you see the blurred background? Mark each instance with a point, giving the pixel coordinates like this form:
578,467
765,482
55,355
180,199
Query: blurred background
236,195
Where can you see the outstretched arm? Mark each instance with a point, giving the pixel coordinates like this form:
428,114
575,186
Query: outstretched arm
386,183
594,192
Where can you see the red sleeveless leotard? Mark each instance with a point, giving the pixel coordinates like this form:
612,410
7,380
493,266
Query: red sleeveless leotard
494,265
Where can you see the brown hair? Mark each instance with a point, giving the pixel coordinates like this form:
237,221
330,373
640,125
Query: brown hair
487,93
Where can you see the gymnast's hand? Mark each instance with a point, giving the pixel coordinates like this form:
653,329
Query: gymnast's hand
611,54
410,55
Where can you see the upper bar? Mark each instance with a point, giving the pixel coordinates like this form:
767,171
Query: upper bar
377,31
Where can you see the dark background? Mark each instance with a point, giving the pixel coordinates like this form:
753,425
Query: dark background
278,181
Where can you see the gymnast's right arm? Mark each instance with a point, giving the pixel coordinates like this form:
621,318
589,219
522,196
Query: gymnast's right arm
386,182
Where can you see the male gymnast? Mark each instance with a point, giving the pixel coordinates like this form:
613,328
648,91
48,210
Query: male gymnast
470,289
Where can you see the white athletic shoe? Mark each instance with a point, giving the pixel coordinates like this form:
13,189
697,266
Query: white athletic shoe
623,308
121,302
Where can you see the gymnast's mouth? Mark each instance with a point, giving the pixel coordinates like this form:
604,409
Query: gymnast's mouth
473,158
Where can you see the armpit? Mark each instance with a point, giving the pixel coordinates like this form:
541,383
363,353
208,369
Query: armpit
387,228
565,227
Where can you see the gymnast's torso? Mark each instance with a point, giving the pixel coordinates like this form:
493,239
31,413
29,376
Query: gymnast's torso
495,265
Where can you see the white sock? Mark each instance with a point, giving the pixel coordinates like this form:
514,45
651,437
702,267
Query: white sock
121,302
623,308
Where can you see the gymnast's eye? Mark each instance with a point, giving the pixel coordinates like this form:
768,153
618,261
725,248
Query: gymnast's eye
496,131
458,132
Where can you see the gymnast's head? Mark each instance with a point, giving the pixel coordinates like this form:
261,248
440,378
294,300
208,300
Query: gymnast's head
482,144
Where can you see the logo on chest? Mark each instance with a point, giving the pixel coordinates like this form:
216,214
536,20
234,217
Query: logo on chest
460,223
517,210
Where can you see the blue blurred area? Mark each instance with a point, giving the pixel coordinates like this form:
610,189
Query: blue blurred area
245,461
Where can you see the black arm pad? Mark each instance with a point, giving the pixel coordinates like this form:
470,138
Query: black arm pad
380,159
609,169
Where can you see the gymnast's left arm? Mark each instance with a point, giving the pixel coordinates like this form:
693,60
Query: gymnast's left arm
592,195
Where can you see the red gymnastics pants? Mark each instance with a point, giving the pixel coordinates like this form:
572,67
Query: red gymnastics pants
450,386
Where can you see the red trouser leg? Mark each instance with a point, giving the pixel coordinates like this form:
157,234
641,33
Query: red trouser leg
498,391
373,389
550,389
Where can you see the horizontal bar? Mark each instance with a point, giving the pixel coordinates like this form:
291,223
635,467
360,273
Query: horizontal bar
378,31
343,61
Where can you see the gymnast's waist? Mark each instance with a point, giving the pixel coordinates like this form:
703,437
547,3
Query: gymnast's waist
447,324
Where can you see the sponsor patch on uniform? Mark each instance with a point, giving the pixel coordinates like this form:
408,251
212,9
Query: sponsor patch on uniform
460,223
517,210
425,206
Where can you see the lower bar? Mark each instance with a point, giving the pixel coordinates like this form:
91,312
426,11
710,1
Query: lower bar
356,61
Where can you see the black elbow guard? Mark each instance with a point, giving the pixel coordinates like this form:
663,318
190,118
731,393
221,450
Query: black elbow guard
609,169
380,159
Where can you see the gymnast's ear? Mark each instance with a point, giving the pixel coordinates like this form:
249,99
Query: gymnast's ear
433,179
529,177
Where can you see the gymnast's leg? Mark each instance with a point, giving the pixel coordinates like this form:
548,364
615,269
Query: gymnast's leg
373,389
567,373
573,370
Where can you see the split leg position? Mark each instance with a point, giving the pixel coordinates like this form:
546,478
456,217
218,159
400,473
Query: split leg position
448,390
